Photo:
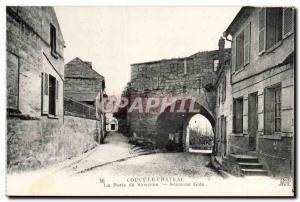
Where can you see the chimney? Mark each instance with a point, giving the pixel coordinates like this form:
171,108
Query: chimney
221,45
89,64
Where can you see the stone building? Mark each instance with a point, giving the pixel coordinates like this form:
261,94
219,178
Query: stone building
35,76
262,79
223,105
40,130
83,86
82,82
182,78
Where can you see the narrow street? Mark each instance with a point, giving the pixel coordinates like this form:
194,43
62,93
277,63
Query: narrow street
117,157
115,165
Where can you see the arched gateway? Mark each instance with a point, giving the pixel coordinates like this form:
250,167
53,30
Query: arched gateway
189,77
172,126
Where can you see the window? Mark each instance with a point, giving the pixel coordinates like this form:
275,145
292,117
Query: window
184,89
242,41
274,25
238,115
171,137
52,90
50,95
12,76
216,64
53,39
224,90
272,111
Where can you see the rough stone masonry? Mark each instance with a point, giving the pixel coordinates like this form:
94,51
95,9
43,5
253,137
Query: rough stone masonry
181,77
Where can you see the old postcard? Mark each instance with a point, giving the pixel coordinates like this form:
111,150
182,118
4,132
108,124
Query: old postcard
150,101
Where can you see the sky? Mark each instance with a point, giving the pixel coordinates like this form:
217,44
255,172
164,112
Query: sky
200,123
113,37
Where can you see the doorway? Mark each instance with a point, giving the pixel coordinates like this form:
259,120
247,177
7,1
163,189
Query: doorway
252,120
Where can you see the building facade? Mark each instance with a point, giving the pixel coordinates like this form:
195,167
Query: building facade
84,90
262,82
82,82
223,106
35,76
42,126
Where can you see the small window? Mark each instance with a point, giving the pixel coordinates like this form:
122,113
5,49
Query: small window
238,115
52,95
224,90
171,137
53,38
216,64
184,89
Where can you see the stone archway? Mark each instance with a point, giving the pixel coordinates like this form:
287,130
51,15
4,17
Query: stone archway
171,126
197,125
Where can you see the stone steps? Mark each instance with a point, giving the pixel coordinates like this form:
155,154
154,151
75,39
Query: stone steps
140,150
249,165
262,172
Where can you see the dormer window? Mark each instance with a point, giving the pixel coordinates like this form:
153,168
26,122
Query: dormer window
216,64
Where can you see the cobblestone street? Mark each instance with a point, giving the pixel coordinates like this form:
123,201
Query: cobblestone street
119,158
117,163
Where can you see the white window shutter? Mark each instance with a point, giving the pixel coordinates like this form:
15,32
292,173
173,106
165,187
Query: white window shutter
56,98
45,93
262,30
247,42
288,21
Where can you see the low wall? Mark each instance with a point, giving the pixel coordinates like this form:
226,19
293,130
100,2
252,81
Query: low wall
36,143
80,134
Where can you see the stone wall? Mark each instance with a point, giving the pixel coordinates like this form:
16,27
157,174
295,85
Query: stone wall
180,77
36,143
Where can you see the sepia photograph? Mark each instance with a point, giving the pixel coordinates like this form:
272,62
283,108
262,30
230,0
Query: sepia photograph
150,101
